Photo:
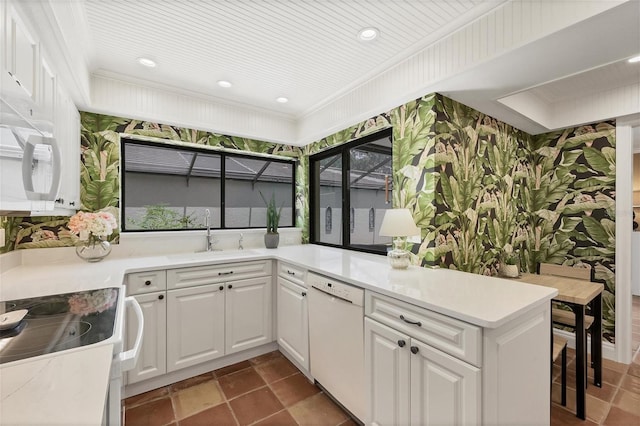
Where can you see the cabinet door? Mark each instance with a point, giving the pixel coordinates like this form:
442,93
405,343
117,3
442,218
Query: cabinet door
48,91
195,326
22,54
444,390
153,356
293,321
387,370
248,314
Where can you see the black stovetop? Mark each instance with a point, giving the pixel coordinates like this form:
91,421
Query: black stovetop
58,322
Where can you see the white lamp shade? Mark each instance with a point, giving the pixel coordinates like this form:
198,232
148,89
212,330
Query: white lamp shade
398,223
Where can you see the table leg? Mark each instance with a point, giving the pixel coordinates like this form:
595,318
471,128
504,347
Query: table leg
581,364
596,339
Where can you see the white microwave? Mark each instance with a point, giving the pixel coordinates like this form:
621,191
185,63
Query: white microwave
29,166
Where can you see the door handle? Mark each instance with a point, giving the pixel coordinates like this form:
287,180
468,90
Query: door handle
401,343
414,349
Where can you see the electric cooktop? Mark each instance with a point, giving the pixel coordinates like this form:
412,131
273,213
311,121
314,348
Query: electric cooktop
56,323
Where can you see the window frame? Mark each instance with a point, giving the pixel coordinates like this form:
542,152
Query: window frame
223,153
314,192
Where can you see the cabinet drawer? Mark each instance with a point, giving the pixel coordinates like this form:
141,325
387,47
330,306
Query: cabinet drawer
203,275
146,282
457,338
292,273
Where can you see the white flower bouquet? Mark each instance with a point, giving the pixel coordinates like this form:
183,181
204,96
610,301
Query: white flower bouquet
92,226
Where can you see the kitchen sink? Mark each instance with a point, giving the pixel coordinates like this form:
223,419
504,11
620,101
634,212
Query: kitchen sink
216,254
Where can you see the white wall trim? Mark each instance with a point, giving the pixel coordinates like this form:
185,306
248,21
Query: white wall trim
144,102
624,200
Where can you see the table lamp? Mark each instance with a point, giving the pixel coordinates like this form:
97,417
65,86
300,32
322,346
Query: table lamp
398,224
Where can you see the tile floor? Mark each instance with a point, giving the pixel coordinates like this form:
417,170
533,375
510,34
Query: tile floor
269,390
616,403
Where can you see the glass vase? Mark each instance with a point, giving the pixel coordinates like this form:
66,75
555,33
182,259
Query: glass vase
93,250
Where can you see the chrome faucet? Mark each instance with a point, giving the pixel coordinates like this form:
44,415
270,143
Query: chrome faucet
240,247
207,216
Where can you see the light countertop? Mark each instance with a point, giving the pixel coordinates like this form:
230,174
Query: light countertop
480,300
53,379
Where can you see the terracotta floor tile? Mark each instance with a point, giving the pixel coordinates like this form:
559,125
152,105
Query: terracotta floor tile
293,389
317,410
146,397
255,405
232,368
604,393
618,417
612,365
556,394
608,375
266,357
154,413
597,409
194,399
634,370
627,401
282,418
192,381
275,369
220,415
631,384
240,382
563,417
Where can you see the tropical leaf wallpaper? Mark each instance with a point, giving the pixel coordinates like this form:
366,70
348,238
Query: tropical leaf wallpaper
473,183
476,184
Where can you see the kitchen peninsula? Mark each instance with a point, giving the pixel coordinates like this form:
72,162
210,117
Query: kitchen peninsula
510,319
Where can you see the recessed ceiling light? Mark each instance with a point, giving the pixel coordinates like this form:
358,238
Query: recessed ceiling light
282,100
368,34
634,59
147,62
224,83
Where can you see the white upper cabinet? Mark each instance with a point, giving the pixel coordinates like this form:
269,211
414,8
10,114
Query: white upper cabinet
35,99
48,91
21,49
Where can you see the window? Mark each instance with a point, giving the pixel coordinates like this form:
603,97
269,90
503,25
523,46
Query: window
168,187
350,188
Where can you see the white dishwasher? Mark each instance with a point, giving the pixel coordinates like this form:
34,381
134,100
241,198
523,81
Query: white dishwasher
336,340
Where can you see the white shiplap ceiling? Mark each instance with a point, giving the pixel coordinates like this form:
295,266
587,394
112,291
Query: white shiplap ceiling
305,50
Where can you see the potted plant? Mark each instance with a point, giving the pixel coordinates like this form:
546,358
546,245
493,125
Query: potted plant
272,238
509,263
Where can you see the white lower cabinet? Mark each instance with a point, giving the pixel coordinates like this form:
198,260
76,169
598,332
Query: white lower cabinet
248,310
195,331
195,315
410,382
425,368
152,361
293,321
